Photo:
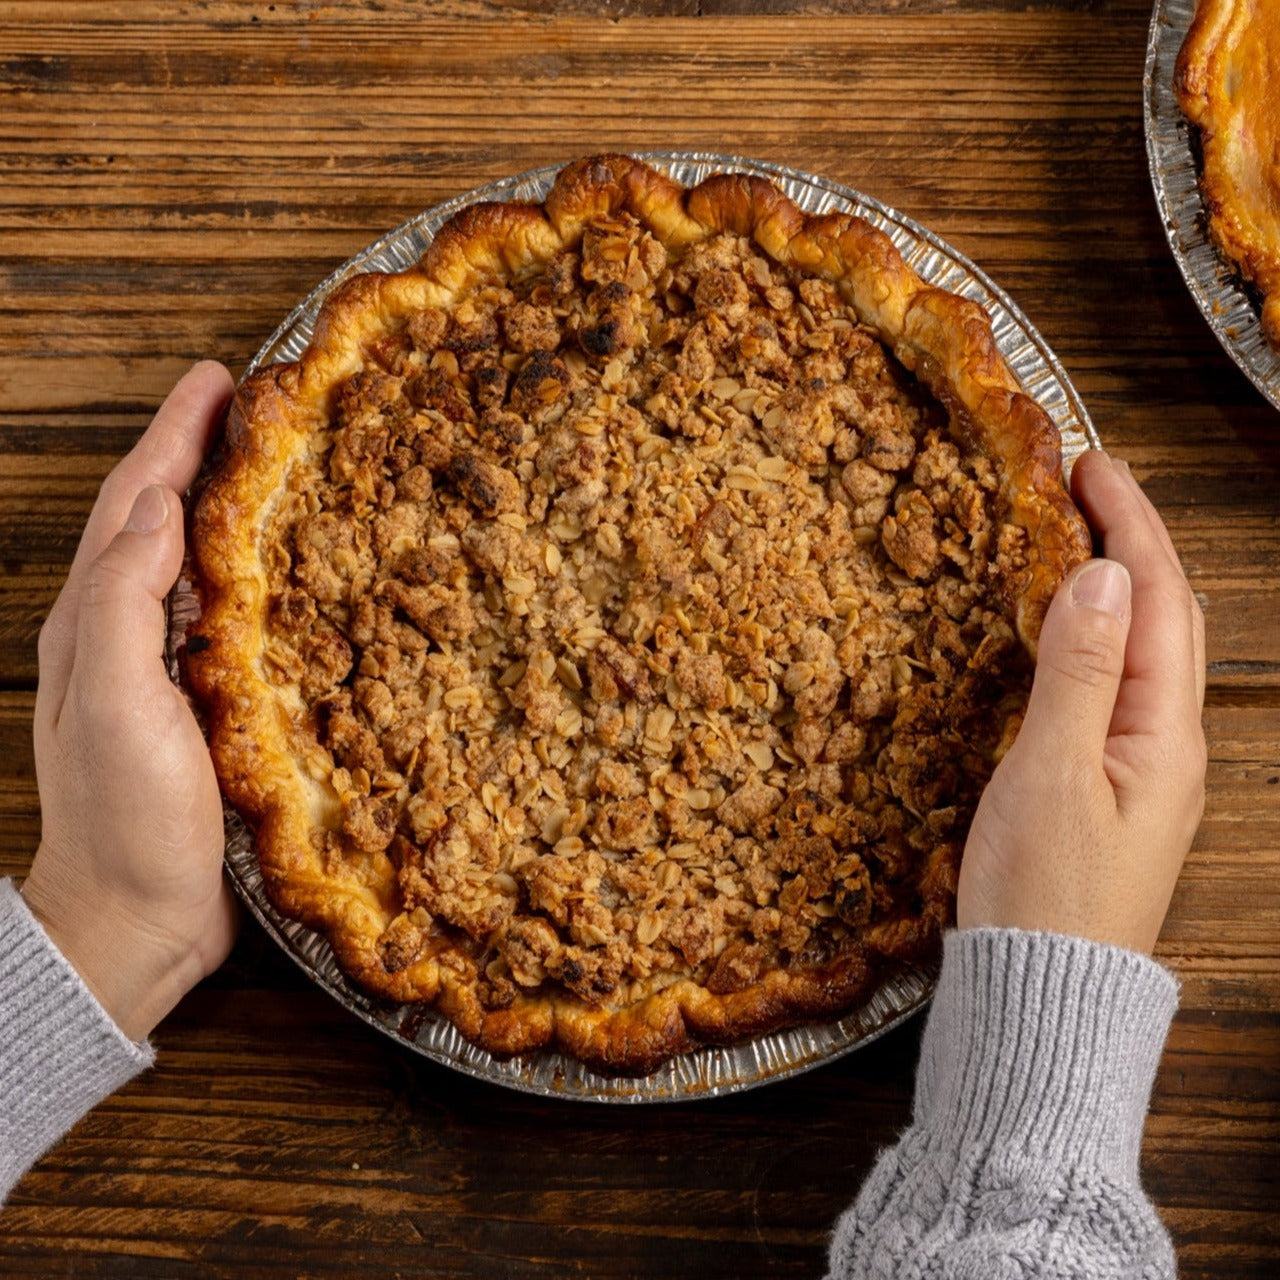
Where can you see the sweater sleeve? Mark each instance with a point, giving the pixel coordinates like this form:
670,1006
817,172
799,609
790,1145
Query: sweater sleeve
60,1051
1021,1160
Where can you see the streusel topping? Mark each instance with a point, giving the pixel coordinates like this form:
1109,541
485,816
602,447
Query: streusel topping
650,622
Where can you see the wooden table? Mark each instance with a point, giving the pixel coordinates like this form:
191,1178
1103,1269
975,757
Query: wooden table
174,177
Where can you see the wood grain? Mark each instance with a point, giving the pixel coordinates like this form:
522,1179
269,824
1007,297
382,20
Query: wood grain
174,178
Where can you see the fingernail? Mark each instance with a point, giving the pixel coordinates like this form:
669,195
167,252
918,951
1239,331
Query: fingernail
1102,584
149,511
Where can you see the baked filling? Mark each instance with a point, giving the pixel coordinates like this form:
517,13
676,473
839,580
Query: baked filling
637,635
1227,82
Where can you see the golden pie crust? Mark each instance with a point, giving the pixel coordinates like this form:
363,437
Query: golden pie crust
1227,81
609,623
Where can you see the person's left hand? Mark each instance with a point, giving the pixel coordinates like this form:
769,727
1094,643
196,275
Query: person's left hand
127,880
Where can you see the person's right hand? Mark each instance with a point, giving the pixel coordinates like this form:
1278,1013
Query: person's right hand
1086,821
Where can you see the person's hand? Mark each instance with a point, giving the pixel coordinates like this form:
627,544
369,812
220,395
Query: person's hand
1085,823
127,880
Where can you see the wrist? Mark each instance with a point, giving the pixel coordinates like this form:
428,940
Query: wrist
134,974
1073,912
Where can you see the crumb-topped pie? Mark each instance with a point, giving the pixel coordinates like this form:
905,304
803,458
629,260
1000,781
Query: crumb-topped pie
609,623
1227,81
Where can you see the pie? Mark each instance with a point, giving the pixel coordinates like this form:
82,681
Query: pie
1227,81
609,624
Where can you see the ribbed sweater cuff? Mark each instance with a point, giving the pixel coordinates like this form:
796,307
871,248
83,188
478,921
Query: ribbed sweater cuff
60,1051
1043,1044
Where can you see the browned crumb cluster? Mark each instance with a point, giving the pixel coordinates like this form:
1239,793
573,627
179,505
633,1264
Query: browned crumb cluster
646,617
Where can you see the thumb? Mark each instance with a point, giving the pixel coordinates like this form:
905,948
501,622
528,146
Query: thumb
1079,663
120,626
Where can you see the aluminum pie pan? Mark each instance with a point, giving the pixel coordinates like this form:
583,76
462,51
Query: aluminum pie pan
711,1071
1214,283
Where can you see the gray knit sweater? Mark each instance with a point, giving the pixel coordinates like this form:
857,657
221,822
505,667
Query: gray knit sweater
1021,1159
60,1051
1022,1156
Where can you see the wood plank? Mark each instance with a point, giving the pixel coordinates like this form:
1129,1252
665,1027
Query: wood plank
396,1153
173,180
